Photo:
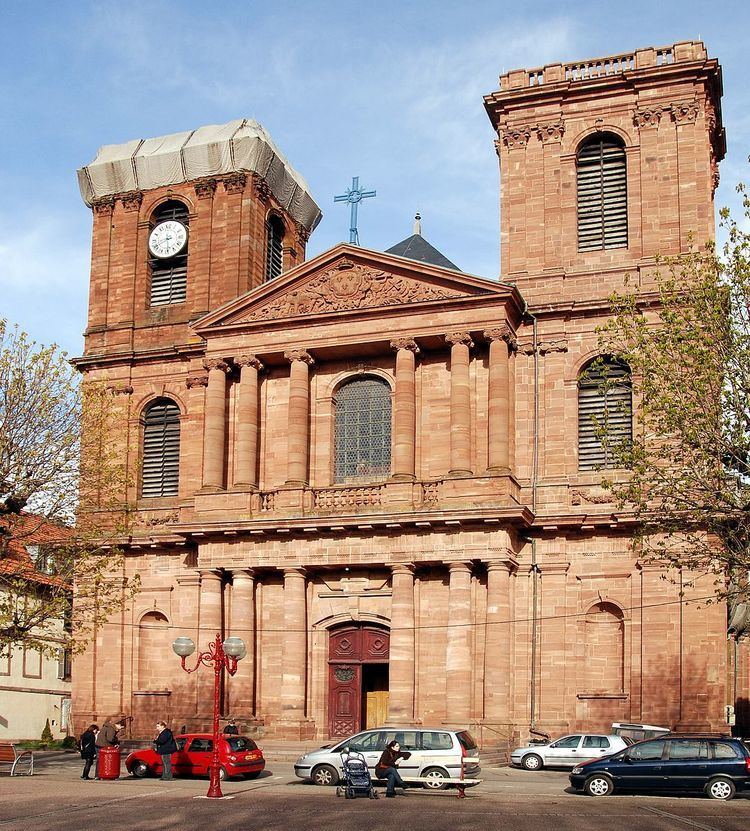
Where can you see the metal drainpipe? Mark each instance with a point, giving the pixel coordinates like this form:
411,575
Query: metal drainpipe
534,564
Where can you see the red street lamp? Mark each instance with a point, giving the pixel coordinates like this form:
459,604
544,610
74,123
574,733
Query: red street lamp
220,656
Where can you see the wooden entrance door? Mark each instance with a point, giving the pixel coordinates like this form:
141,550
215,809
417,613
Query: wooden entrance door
350,708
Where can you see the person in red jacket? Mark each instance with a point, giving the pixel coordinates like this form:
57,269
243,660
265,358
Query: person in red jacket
386,767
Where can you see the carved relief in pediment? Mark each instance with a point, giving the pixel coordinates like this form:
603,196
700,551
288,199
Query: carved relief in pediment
348,286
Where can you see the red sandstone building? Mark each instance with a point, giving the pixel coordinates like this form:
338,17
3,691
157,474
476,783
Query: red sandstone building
378,470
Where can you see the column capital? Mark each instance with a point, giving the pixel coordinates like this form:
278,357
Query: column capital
405,343
293,355
454,338
242,573
508,565
402,568
459,565
216,363
196,381
503,332
248,360
294,571
209,574
192,578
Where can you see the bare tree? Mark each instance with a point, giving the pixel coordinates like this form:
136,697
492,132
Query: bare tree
688,347
63,504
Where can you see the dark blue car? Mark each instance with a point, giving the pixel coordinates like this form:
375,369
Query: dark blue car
717,766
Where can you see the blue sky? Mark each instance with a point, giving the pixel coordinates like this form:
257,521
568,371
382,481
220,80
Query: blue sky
389,91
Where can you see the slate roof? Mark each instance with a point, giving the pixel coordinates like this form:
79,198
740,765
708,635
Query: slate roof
417,248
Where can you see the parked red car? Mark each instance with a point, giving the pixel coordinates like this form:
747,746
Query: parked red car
238,755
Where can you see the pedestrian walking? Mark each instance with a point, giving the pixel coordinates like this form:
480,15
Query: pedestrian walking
231,728
107,737
87,743
386,767
165,746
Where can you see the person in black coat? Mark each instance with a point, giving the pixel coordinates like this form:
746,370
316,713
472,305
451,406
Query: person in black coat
87,743
231,729
165,746
386,767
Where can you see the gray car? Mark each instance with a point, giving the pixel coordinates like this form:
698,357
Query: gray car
437,754
568,751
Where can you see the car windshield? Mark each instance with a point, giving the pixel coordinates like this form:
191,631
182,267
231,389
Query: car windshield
240,743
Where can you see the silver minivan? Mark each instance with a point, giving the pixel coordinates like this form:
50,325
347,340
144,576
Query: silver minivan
437,754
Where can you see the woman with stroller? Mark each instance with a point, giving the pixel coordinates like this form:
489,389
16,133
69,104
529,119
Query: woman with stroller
386,767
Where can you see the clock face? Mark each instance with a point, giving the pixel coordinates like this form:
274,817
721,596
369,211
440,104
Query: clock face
167,239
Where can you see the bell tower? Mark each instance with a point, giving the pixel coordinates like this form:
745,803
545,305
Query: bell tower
182,224
604,164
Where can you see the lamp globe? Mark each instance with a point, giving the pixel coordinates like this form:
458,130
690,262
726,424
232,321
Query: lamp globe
235,648
183,647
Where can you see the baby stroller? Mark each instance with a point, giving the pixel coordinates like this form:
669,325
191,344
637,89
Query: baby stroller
356,780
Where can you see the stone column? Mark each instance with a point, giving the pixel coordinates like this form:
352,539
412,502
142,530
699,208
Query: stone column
499,399
211,623
187,603
298,434
242,625
214,426
402,657
246,434
405,409
497,661
294,657
458,657
460,342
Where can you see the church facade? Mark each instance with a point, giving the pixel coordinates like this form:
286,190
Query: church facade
380,471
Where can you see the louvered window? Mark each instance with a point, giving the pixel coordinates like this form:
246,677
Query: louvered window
602,194
605,414
169,275
362,436
161,449
274,244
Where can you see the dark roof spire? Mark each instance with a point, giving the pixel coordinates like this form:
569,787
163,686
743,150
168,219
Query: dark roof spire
417,248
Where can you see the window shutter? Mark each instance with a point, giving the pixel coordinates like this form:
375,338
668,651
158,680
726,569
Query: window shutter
161,450
602,195
169,276
604,401
362,438
275,237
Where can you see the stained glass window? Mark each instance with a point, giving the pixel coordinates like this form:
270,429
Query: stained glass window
362,440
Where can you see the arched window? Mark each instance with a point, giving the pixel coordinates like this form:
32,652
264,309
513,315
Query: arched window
604,640
161,449
153,651
602,194
605,413
168,253
362,439
274,243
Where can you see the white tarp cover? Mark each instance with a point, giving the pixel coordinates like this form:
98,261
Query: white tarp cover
241,145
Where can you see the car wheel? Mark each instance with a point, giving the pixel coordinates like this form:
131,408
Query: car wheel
325,775
531,761
598,785
720,788
222,774
254,775
139,770
436,779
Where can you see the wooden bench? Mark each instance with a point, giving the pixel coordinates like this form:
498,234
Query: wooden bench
11,754
461,784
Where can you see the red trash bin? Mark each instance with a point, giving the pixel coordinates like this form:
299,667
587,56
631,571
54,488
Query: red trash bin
109,762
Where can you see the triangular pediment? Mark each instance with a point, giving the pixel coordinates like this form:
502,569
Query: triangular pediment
347,279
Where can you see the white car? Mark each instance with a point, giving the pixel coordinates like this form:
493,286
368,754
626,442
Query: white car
568,751
437,754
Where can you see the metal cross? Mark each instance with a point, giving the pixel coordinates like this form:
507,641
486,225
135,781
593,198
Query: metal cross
354,195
